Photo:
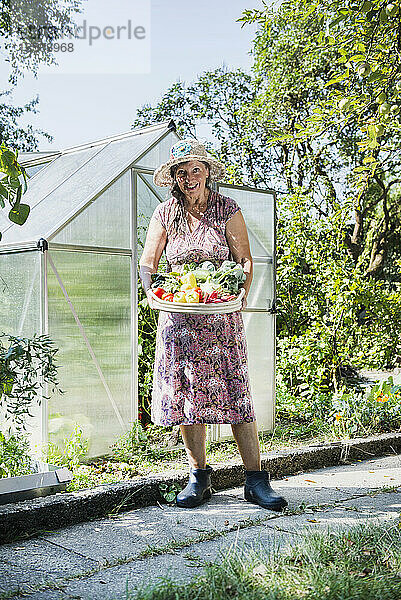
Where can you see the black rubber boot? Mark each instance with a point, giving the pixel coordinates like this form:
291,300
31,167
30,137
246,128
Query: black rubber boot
198,489
259,491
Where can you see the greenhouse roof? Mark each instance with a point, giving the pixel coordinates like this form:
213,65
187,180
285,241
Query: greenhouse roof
71,179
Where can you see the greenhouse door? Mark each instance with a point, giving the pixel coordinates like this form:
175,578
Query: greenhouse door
258,208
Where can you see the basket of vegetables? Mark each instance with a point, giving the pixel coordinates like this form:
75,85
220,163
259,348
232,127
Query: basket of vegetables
200,289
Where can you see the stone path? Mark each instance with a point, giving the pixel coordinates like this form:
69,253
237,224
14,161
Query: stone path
97,560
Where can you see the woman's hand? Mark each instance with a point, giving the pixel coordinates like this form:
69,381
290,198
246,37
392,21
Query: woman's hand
150,299
244,303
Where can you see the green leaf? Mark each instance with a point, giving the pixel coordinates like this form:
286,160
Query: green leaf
20,214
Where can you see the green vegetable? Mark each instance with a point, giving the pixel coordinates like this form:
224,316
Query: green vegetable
207,265
188,267
167,281
201,274
230,276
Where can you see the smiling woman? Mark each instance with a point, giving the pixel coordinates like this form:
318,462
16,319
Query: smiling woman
201,364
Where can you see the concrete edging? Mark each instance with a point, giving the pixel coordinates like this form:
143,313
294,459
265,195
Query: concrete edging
31,517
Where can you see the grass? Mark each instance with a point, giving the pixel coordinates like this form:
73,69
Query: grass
361,563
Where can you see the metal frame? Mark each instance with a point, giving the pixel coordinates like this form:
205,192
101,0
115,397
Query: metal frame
90,249
154,192
134,298
44,330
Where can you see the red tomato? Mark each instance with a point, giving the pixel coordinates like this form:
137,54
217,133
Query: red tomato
168,296
158,292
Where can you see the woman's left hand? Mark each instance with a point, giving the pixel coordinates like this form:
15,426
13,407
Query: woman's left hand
244,303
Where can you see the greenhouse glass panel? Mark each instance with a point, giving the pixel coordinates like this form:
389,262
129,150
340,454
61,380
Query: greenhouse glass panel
259,329
60,205
105,222
258,210
162,193
31,171
146,204
261,294
96,379
160,153
52,175
20,293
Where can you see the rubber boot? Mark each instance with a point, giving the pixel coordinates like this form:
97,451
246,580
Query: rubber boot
259,491
198,489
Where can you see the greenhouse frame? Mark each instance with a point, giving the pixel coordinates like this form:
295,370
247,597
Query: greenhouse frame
71,272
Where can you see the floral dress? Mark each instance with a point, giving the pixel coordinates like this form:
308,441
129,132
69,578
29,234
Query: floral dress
201,368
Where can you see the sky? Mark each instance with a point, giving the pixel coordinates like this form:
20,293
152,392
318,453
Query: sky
182,40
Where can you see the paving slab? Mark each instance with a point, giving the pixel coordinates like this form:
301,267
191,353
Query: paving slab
111,584
32,563
133,531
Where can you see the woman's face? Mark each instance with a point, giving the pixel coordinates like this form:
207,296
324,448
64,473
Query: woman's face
191,178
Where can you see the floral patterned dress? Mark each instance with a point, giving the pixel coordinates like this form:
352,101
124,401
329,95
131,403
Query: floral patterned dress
201,368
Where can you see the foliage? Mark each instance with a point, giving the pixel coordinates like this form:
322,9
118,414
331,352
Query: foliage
342,414
11,186
27,32
339,256
361,562
11,133
74,448
218,97
14,456
169,492
25,365
136,444
147,326
365,85
332,318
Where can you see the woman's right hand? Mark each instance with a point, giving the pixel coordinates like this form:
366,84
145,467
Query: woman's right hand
150,299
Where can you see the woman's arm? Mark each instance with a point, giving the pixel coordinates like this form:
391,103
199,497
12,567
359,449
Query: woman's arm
237,238
156,238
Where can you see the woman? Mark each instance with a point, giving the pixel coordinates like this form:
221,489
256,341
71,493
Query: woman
201,371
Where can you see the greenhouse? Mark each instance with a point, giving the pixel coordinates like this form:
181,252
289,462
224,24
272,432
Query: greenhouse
71,272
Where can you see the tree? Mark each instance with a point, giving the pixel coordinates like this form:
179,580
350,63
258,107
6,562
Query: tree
320,148
218,97
24,139
27,30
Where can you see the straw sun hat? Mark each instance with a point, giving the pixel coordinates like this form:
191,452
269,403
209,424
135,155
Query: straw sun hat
183,151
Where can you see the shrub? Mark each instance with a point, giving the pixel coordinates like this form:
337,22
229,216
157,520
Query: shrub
14,456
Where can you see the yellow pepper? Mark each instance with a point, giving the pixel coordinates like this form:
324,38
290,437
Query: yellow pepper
192,296
179,297
190,279
186,286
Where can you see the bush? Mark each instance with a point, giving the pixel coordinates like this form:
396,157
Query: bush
74,448
25,364
15,458
139,444
343,414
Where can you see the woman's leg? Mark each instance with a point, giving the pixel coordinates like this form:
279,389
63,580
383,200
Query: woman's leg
257,484
246,436
194,437
199,487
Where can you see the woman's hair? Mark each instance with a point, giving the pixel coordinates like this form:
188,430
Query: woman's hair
178,223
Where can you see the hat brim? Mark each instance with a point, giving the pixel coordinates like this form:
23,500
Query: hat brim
163,178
